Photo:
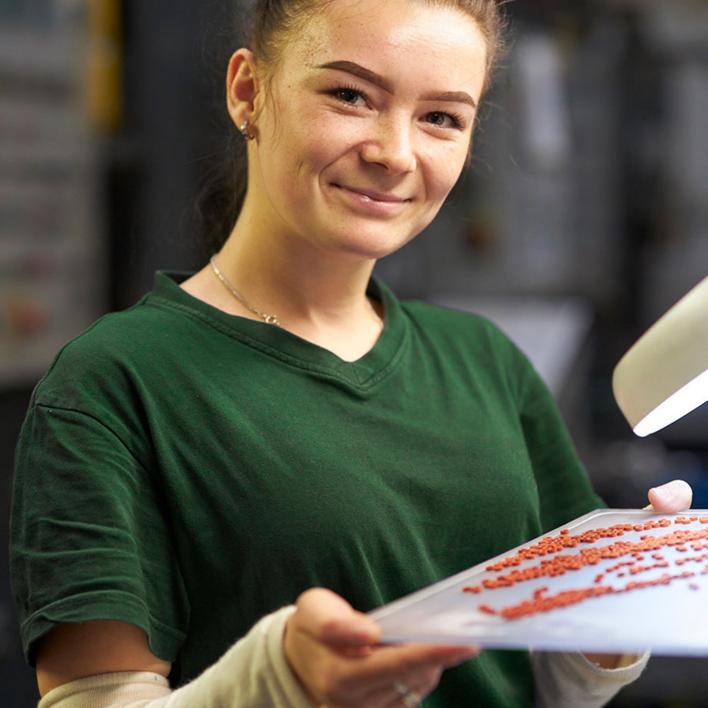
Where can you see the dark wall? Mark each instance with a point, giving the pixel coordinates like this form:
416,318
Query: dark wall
17,686
174,126
174,63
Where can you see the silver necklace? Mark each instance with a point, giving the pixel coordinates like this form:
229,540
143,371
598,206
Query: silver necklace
268,319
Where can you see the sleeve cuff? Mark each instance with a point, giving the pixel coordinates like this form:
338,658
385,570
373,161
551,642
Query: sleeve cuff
571,679
622,675
285,679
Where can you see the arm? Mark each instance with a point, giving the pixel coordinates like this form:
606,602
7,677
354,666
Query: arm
109,664
74,651
322,651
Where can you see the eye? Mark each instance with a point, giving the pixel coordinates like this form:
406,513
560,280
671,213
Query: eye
347,94
445,120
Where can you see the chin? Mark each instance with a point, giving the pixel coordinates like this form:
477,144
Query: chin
374,239
375,246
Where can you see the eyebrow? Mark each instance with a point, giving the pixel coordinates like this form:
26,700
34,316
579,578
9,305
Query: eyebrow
372,77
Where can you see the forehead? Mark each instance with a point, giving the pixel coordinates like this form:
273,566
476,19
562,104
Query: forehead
395,37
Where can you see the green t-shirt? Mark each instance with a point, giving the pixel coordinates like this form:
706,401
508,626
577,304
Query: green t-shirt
189,471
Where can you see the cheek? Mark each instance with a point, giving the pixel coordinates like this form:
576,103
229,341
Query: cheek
443,173
320,146
327,137
311,148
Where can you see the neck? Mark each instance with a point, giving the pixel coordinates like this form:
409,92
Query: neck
306,287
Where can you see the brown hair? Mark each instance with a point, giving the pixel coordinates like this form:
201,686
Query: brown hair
272,23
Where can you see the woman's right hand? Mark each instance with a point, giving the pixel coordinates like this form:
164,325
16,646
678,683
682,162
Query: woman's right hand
334,652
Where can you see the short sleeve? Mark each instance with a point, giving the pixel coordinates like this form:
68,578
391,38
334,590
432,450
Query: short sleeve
564,489
88,539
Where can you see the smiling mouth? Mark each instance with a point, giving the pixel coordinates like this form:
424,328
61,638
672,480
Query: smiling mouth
373,196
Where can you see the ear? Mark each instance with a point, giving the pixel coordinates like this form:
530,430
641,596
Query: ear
241,86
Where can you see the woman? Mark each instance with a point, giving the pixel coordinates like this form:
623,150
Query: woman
278,421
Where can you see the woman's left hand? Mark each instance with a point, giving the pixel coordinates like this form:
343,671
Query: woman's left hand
669,498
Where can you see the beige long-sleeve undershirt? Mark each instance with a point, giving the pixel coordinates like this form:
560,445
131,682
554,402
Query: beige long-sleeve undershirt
254,673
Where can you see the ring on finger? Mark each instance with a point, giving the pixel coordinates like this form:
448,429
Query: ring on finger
408,697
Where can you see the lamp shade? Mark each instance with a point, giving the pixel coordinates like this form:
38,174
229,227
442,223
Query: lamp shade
664,375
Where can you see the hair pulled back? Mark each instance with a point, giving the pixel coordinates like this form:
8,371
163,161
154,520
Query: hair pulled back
272,24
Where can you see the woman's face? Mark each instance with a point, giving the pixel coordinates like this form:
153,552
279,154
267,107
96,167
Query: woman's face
368,124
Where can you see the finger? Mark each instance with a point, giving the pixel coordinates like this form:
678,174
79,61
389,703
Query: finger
417,656
671,497
460,655
422,682
330,619
388,663
389,695
354,683
355,652
412,697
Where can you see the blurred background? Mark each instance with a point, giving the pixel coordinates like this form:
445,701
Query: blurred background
583,218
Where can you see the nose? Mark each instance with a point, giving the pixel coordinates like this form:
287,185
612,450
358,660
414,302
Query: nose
391,146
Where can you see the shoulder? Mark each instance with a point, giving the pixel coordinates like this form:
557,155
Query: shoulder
473,345
456,328
118,347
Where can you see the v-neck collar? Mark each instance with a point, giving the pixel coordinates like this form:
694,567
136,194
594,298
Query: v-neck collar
289,348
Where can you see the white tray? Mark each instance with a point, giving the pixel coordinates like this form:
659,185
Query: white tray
669,618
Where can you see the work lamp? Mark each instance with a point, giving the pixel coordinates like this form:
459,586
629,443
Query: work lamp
664,375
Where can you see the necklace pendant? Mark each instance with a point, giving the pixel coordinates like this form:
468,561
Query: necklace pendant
271,319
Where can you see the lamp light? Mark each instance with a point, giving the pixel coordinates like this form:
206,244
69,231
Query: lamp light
664,375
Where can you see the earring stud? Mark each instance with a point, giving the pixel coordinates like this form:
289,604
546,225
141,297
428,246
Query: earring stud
244,130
